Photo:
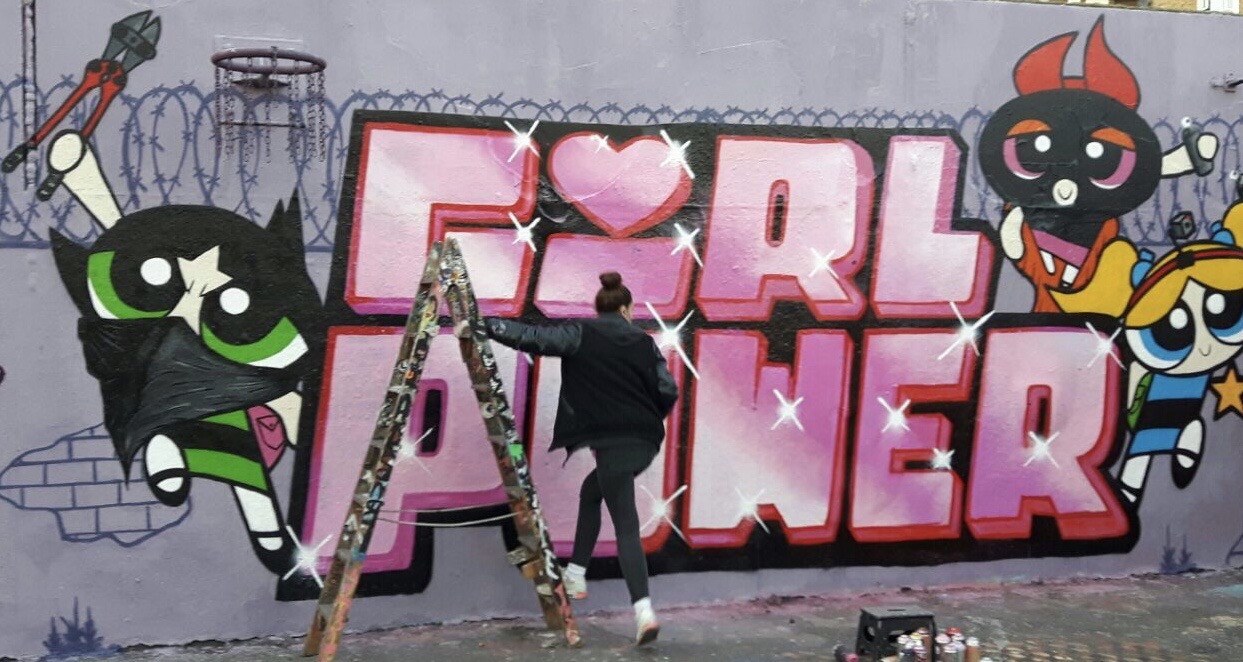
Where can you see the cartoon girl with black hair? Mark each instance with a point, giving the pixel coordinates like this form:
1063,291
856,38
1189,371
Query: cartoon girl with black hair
200,326
1182,317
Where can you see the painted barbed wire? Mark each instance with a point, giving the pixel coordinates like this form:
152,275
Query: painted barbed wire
166,152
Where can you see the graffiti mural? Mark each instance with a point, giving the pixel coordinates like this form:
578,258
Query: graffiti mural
841,297
878,400
1070,155
164,171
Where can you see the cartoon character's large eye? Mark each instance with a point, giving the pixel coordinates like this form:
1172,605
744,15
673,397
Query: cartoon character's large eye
1223,315
132,287
234,301
1026,148
245,327
1166,343
1110,158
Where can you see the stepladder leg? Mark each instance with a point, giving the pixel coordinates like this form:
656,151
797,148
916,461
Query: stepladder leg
511,461
445,268
310,648
335,625
564,619
365,506
552,617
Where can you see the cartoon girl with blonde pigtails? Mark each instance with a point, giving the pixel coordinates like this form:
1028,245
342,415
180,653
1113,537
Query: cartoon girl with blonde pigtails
1182,317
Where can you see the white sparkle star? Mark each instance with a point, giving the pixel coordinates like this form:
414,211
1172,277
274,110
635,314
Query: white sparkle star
686,241
307,558
1041,448
787,411
897,417
941,460
522,140
966,332
671,337
409,451
677,154
1104,346
660,508
824,263
750,508
523,232
600,140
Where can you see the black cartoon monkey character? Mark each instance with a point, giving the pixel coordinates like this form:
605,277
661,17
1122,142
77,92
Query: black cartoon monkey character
1069,156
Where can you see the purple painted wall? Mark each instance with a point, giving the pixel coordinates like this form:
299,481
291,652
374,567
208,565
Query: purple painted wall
818,190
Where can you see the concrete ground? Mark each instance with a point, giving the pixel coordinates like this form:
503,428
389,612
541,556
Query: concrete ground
1186,618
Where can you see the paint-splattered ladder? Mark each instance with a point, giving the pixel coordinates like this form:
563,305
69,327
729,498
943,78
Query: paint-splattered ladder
444,277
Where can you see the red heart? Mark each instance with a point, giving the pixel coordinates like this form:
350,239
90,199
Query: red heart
622,191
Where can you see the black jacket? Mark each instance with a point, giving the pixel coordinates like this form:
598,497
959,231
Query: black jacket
614,380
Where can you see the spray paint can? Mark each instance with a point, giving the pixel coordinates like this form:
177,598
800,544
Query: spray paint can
906,646
972,654
952,652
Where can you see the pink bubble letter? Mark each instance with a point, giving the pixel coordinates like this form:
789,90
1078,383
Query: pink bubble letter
921,264
461,472
890,502
1038,382
572,264
764,442
414,183
788,221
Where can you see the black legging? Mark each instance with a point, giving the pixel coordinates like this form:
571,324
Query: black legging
612,481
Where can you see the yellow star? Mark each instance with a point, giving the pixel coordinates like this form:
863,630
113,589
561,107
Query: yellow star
1229,392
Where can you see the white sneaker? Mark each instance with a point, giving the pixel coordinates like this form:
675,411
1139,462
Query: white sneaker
575,584
648,627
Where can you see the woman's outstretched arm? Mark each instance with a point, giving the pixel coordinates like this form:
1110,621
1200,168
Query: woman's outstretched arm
551,340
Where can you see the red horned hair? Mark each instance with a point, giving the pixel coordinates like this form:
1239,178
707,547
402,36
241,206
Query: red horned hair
1103,72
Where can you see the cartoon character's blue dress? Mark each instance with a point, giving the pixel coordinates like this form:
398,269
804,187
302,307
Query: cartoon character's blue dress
1158,416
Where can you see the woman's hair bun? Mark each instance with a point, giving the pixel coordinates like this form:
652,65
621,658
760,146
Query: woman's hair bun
610,279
